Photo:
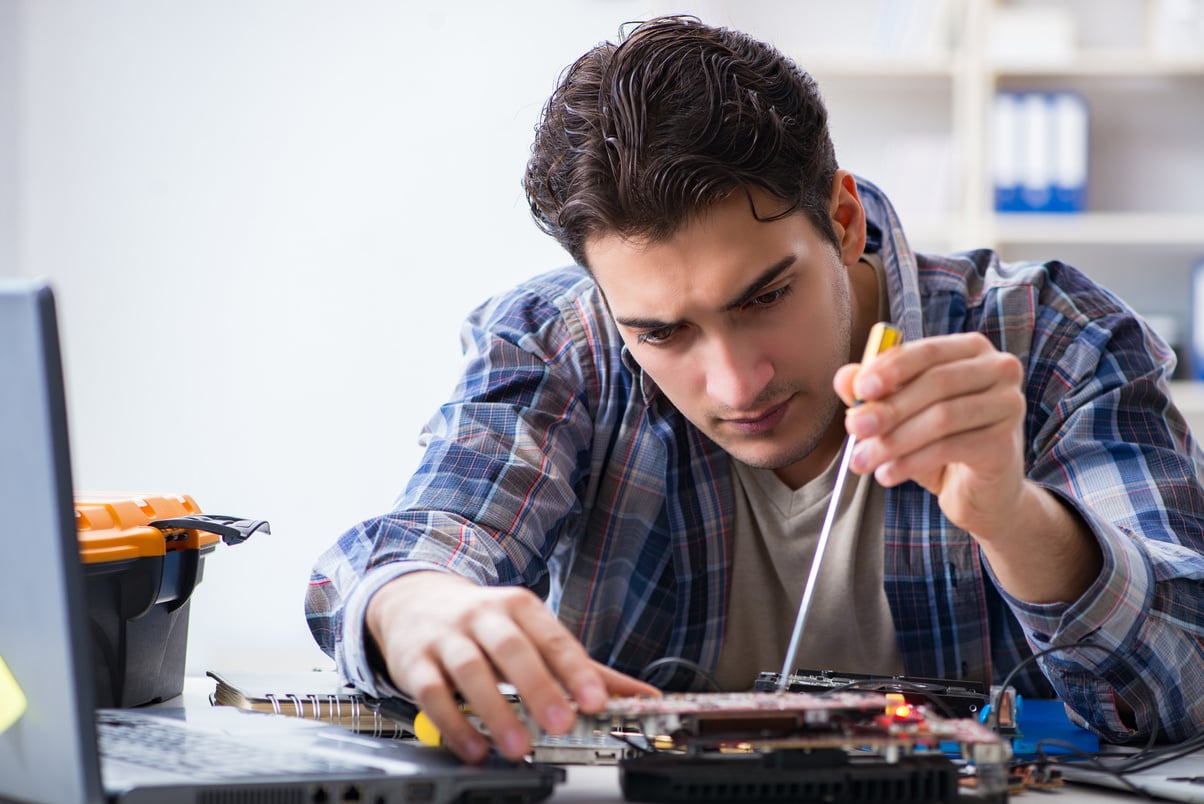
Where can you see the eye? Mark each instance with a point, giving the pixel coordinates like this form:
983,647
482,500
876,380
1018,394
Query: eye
657,336
770,298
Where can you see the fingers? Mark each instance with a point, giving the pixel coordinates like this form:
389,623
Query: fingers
474,638
898,444
892,370
621,684
432,691
896,368
528,647
843,383
521,645
936,402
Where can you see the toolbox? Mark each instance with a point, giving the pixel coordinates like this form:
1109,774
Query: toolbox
143,554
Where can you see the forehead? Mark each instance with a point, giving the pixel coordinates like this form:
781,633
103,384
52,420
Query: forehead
709,259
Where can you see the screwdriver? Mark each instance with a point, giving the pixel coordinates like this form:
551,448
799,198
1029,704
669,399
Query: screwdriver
883,336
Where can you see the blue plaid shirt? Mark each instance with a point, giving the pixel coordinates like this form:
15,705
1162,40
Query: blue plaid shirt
557,465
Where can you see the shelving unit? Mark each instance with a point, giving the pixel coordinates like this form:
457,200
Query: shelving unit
913,113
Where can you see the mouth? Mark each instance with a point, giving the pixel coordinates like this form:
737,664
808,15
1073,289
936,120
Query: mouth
760,422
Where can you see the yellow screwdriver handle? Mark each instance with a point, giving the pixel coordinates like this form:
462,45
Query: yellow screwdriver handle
883,335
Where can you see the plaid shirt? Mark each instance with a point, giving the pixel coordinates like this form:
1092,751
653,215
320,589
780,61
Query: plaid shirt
557,465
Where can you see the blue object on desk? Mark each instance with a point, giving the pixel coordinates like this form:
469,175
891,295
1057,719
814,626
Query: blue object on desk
1038,720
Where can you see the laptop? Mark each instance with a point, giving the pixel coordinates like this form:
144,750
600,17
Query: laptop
62,749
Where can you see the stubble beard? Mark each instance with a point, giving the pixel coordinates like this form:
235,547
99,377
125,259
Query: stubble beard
829,407
822,418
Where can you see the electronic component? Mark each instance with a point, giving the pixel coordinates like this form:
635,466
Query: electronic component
712,746
790,776
881,741
594,748
947,698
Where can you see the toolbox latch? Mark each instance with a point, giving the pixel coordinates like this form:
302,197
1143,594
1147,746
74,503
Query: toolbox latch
232,529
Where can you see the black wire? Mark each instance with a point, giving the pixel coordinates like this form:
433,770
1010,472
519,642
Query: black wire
1119,770
693,667
1145,760
1148,695
1088,758
649,747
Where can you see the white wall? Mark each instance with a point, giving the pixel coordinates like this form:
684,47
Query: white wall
265,221
9,61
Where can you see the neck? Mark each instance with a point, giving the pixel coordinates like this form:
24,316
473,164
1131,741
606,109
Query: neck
864,292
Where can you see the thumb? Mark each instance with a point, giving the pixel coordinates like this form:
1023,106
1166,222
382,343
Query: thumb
842,383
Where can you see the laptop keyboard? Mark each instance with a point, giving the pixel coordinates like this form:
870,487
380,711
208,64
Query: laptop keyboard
162,744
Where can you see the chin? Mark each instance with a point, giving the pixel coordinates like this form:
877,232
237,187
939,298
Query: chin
775,450
767,457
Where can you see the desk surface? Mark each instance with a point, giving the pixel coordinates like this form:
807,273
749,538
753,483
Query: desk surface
597,784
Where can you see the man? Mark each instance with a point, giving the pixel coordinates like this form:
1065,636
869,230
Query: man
638,457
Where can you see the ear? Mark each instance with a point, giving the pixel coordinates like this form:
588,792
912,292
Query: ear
848,217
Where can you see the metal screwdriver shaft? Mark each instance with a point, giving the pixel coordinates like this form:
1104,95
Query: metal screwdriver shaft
882,337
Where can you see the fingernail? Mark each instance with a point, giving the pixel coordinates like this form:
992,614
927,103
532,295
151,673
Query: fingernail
868,387
861,459
472,749
558,717
861,423
591,696
514,743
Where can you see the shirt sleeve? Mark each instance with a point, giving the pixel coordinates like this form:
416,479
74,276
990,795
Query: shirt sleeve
1116,449
516,430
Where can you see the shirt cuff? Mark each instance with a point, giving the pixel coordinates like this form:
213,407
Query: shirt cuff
1109,612
352,651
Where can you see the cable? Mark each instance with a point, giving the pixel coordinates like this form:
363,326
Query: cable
1148,696
693,667
1133,762
1086,758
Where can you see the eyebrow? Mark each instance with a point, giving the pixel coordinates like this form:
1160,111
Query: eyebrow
758,285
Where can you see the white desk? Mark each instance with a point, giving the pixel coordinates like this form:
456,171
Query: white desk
599,784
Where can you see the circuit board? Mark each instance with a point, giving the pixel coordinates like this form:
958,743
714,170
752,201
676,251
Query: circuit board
876,733
795,720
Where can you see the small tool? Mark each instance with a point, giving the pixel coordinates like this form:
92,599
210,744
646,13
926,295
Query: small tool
882,337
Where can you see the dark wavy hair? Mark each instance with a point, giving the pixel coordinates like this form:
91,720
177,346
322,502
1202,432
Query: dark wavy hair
640,136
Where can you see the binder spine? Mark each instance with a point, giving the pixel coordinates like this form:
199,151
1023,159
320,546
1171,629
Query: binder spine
1006,148
1040,151
1070,152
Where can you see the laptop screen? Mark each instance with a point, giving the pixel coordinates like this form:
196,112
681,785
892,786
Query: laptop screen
49,753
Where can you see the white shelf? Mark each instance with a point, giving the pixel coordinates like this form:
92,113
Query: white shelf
880,69
1101,228
920,126
1107,64
915,117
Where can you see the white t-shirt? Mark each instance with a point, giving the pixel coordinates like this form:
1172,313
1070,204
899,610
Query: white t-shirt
849,626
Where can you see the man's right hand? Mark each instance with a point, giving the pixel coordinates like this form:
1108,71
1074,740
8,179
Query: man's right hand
440,633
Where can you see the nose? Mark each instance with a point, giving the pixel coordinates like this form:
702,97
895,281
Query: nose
736,373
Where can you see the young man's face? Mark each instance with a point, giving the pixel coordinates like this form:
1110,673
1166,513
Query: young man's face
742,323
